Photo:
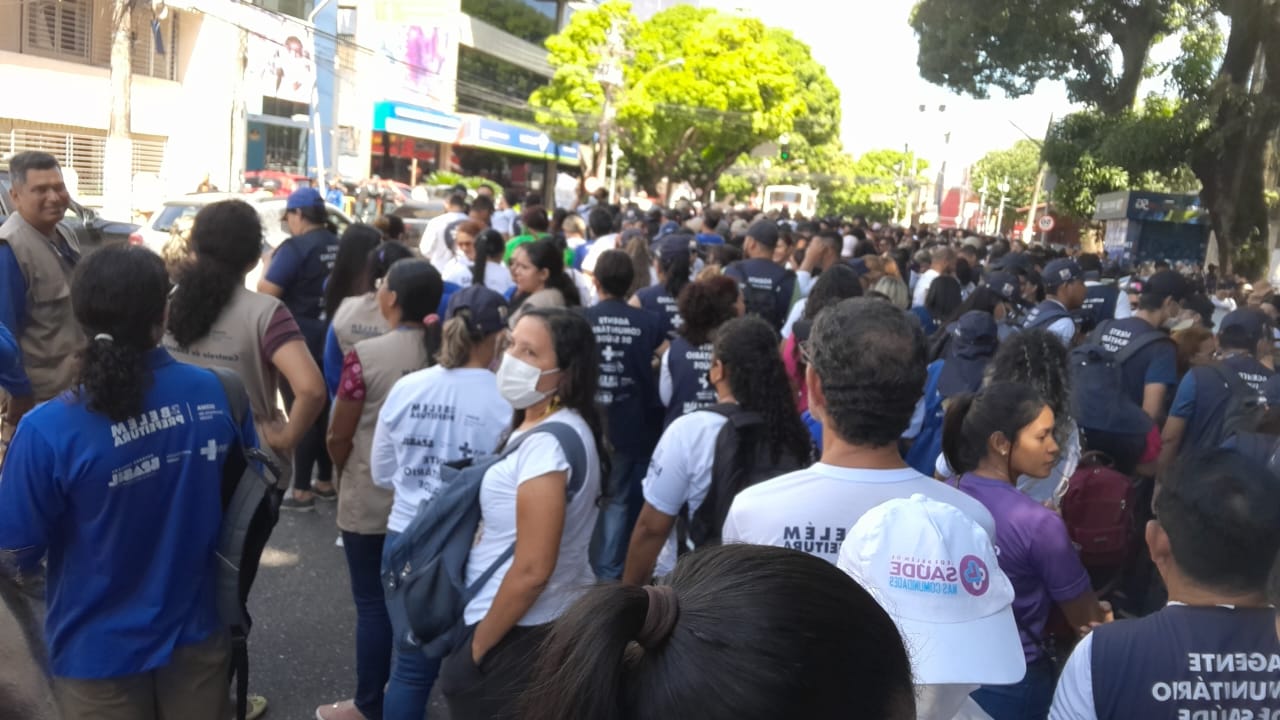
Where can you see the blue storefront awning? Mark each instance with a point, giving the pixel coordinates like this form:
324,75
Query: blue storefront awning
418,122
499,136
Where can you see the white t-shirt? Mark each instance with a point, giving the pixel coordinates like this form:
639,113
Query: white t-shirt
811,510
601,245
1073,700
458,272
680,472
922,287
497,277
539,455
435,247
432,417
797,312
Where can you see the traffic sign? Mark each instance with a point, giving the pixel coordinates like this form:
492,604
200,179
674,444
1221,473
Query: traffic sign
1046,223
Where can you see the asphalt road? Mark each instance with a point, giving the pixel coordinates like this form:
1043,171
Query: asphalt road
302,648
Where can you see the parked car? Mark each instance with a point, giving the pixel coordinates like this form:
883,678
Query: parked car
91,230
270,209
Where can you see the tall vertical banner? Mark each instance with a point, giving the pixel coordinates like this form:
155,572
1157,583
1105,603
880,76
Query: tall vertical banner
419,43
281,57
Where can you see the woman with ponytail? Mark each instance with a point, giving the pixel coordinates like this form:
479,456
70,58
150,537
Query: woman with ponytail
471,419
408,299
736,632
748,377
357,316
990,439
673,262
119,482
215,322
489,270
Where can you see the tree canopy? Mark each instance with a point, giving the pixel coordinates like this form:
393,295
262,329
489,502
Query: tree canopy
1020,164
700,89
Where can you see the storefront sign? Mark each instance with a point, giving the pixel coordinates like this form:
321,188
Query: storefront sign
427,124
504,137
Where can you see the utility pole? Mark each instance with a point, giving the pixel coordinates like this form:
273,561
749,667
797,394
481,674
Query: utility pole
1030,227
117,176
1003,187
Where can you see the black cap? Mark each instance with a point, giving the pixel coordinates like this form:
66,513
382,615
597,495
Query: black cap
1251,321
1167,284
764,232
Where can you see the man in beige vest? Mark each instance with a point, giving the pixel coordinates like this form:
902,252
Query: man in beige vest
37,256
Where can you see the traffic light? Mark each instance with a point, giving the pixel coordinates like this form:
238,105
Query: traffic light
784,152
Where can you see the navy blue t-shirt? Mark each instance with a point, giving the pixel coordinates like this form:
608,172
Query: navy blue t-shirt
659,303
300,266
1155,364
767,288
129,514
1203,396
690,388
625,340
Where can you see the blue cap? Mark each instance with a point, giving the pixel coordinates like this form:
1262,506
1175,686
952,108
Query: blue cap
859,266
304,197
974,338
487,309
669,247
1251,321
1060,272
1003,284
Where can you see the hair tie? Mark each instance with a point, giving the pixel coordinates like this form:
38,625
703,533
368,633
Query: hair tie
660,618
104,337
431,319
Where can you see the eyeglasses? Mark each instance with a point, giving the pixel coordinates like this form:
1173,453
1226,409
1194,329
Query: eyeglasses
806,352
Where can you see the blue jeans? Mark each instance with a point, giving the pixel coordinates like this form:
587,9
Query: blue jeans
1026,700
623,499
412,673
373,626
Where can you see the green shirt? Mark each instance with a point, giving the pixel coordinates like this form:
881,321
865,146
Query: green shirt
519,240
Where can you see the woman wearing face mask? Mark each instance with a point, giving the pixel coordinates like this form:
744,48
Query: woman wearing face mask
991,438
491,273
408,300
538,270
409,446
548,374
461,268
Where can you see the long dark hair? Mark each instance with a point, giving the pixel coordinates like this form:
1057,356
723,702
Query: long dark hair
676,269
418,288
381,258
748,349
972,418
575,346
118,296
489,246
943,299
706,305
349,277
227,241
546,255
731,622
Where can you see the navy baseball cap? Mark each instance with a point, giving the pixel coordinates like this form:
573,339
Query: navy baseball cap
1060,272
1014,263
487,309
1004,284
669,247
764,232
974,338
859,266
304,198
1251,321
1166,284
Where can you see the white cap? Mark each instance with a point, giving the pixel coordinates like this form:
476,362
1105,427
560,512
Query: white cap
934,570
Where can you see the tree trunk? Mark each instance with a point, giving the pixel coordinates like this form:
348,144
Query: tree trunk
117,176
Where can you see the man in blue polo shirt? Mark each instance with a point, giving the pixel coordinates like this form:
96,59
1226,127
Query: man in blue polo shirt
1198,418
626,338
767,287
1212,651
1150,366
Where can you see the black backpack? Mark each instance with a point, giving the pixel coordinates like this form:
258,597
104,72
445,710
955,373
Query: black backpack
1244,409
742,458
763,302
250,508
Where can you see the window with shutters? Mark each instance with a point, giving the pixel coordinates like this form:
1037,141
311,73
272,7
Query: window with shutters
153,42
58,28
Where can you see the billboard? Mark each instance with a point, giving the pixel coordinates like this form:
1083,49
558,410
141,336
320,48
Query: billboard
281,56
418,45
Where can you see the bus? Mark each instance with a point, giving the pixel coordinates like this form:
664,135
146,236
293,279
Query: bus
795,198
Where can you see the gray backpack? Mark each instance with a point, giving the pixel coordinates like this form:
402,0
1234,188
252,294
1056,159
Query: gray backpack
426,578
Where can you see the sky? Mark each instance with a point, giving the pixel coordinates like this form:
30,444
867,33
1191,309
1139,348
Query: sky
870,54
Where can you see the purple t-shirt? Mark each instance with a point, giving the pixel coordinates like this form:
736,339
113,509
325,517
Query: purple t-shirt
1035,552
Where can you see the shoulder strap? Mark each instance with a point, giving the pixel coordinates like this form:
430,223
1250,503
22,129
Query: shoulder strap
1128,351
1095,337
237,395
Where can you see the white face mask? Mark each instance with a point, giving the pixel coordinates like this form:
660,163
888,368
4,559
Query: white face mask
518,382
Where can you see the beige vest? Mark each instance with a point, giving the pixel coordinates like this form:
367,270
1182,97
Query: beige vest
358,318
235,342
52,338
362,506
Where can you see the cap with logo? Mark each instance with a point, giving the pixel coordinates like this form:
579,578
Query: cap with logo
1060,272
304,197
487,309
934,570
1003,284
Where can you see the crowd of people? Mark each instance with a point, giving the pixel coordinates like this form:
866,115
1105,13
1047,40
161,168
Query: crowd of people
722,464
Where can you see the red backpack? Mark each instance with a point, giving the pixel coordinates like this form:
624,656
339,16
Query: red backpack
1098,510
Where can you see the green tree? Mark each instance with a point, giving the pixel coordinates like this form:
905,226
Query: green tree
1020,164
700,89
876,185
